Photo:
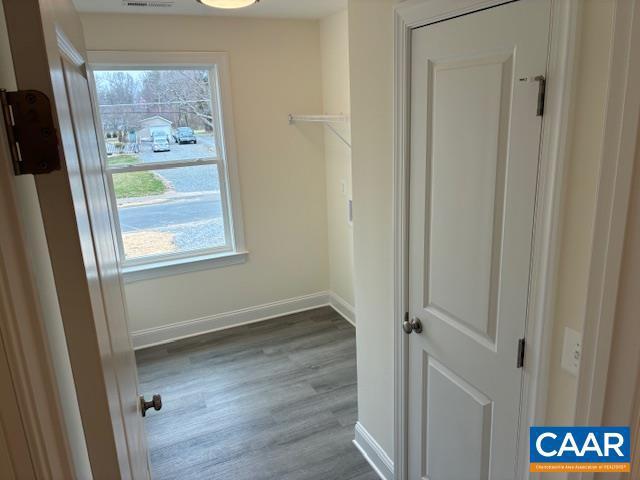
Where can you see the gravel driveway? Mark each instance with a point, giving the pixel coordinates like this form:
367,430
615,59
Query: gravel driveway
188,179
205,148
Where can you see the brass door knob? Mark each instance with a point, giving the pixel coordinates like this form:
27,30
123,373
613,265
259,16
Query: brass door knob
155,403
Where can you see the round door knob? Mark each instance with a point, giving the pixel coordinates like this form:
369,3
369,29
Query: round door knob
413,325
406,326
155,403
416,325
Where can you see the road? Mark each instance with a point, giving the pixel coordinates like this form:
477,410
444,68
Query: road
196,221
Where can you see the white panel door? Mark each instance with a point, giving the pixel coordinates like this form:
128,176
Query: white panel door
475,134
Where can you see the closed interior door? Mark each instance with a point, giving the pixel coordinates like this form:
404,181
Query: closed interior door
475,132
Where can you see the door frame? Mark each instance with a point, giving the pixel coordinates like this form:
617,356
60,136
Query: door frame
614,187
561,63
24,337
38,44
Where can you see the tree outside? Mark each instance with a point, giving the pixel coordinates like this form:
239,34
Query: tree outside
127,97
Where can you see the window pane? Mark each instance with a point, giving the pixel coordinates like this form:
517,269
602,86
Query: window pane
170,211
156,115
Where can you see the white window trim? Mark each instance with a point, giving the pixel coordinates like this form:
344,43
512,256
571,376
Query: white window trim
193,263
235,251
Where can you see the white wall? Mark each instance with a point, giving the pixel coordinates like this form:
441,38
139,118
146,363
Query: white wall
43,276
371,67
334,47
275,69
580,197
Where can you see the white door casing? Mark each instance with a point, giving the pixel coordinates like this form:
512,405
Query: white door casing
83,257
474,151
15,458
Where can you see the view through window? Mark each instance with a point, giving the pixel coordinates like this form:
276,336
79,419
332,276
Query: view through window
165,166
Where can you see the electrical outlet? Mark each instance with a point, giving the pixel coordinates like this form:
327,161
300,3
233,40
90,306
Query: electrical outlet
571,351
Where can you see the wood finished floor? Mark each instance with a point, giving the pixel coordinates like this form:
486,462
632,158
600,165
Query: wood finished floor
271,400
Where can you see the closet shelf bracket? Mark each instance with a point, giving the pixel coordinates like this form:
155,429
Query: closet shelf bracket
327,120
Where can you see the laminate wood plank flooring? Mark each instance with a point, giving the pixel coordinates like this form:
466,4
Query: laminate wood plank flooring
266,401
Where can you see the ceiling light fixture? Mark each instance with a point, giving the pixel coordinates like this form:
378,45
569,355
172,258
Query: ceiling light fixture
227,4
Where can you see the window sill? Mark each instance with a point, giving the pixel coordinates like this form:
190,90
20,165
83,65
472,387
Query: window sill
167,268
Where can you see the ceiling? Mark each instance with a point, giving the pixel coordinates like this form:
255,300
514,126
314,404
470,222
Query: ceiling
309,9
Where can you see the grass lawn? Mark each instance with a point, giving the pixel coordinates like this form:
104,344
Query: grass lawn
122,160
137,184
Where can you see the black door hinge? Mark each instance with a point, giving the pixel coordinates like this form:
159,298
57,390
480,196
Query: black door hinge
520,360
542,87
32,136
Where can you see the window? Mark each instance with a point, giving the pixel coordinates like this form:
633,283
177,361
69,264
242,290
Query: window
169,160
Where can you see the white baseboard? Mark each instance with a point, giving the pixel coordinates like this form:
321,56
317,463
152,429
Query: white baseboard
343,307
373,453
175,331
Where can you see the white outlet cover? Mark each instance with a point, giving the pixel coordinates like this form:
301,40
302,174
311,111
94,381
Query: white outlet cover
571,351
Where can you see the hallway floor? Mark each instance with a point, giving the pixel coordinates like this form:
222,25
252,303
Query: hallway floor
271,400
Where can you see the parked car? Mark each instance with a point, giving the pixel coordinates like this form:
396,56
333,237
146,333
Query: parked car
184,135
160,143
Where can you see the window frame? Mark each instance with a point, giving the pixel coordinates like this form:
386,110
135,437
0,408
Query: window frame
234,251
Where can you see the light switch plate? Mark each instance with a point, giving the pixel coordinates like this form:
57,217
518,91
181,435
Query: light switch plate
571,351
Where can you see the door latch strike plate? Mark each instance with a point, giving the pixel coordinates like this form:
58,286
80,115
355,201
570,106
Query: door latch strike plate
521,347
542,90
32,136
